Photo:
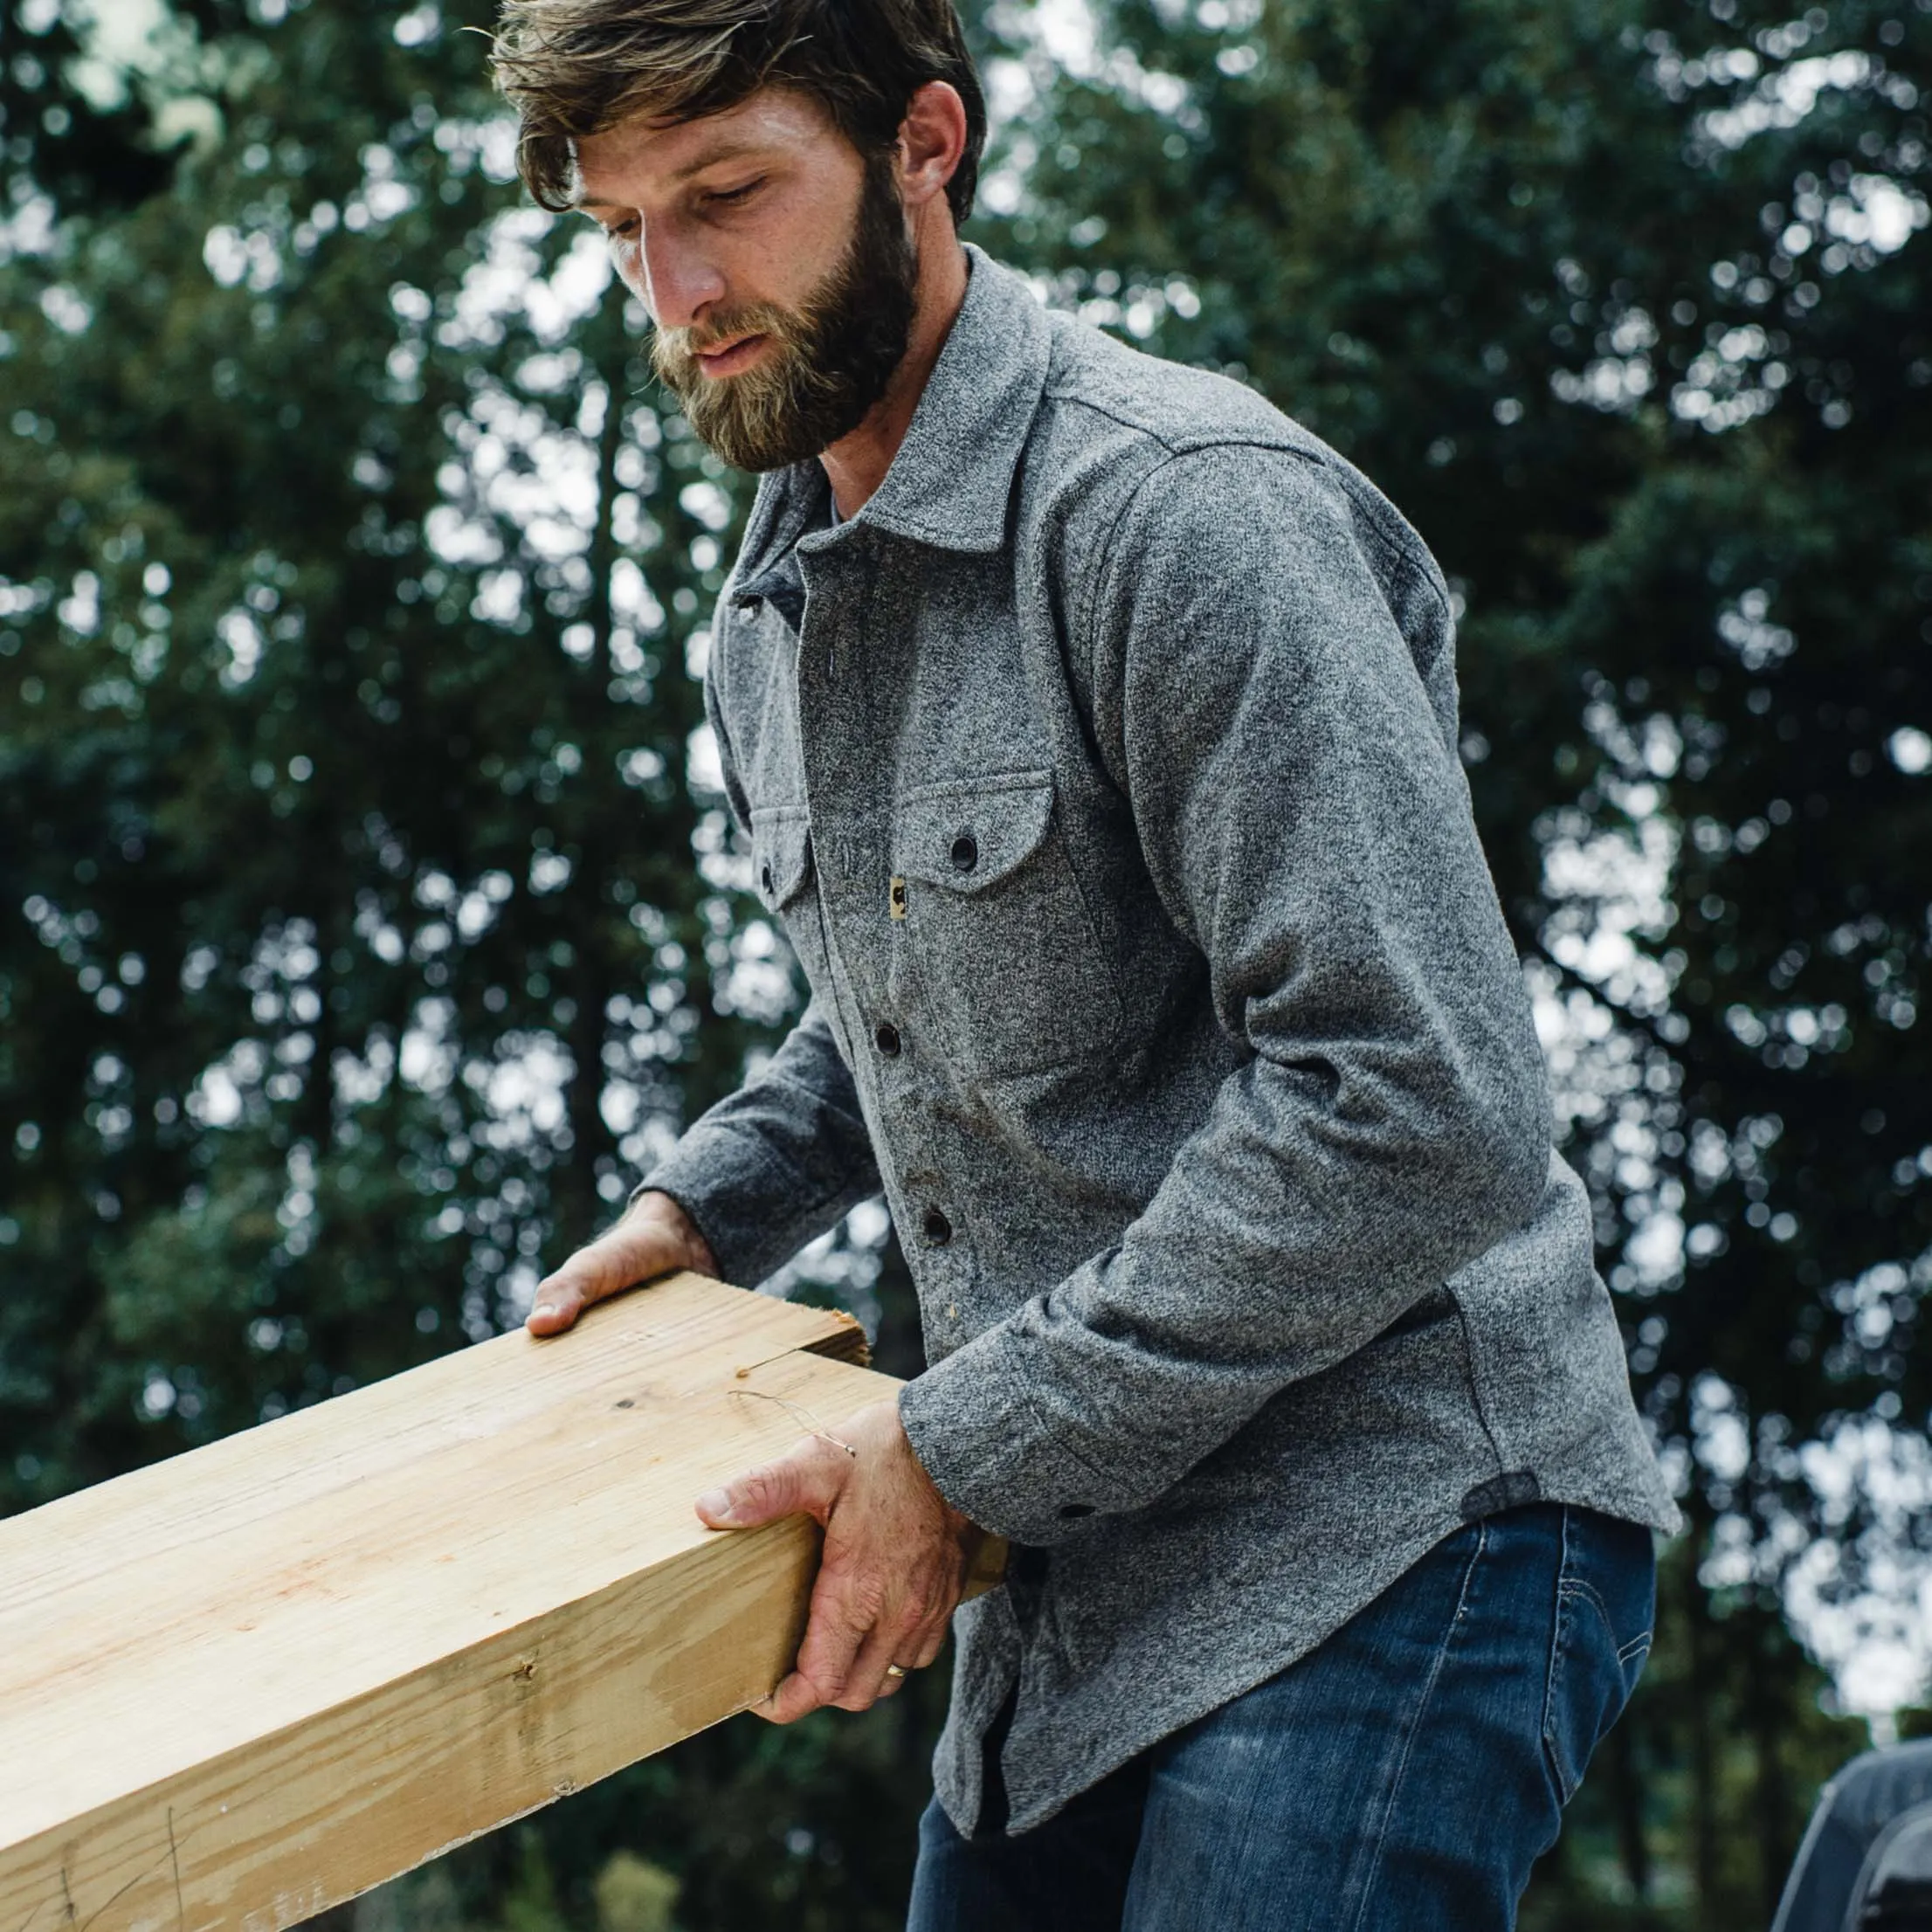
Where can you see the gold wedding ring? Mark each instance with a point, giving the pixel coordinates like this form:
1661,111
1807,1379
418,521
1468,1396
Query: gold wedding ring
895,1670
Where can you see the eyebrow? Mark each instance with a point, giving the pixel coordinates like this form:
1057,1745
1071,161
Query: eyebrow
732,150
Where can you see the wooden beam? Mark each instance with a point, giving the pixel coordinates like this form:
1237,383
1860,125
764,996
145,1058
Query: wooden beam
242,1684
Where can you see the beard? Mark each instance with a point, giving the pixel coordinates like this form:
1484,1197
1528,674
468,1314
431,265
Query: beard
830,358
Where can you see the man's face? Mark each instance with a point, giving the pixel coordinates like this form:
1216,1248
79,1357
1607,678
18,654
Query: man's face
774,260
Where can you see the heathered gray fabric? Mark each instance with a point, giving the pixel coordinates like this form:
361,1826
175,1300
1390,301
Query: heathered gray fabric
1263,1273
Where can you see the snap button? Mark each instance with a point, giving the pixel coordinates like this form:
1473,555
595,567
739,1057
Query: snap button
885,1037
965,853
1071,1511
937,1229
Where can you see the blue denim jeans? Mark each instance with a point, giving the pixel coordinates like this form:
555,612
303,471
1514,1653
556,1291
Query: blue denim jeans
1401,1777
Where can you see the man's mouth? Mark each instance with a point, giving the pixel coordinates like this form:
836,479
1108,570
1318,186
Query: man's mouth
728,358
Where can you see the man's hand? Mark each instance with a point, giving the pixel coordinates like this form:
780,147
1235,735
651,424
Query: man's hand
655,1236
894,1564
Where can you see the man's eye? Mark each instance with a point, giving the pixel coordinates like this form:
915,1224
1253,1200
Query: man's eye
621,230
729,197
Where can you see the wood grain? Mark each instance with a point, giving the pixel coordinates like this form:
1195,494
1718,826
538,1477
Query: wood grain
242,1684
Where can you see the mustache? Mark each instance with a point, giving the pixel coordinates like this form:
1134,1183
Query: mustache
686,344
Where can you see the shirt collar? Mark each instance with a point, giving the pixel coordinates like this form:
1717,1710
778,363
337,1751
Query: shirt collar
951,477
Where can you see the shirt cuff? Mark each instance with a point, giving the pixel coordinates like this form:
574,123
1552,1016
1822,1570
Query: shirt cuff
746,1199
994,1451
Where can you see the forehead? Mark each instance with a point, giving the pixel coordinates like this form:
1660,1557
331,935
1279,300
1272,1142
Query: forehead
623,164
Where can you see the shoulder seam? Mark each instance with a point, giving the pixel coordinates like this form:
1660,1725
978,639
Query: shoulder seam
1231,439
1105,550
1401,541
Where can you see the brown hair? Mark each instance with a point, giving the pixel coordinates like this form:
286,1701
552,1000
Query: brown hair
578,67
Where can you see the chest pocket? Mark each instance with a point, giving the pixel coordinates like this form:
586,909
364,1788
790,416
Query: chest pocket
998,928
783,877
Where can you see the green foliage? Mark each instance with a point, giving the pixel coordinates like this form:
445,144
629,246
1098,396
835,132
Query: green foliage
630,1894
633,1896
86,145
348,597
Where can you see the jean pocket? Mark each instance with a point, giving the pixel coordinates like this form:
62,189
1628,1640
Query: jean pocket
1606,1598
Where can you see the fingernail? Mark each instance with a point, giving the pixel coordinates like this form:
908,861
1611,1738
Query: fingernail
544,1308
715,1504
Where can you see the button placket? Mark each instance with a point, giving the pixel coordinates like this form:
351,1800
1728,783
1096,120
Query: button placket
832,727
841,725
916,1162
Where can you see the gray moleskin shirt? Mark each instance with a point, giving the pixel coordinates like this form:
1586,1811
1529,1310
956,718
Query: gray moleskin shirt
1102,771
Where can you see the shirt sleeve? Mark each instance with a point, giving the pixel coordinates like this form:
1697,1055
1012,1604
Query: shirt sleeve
1305,820
786,1156
776,1163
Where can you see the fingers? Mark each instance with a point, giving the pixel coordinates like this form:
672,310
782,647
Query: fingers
870,1677
804,1482
918,1648
560,1298
797,1696
587,1277
891,1570
839,1622
636,1249
852,1640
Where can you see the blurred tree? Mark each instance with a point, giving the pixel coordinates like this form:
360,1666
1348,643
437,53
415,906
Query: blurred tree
634,1895
76,146
345,763
1670,1828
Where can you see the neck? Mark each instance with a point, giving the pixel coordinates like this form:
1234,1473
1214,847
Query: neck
857,464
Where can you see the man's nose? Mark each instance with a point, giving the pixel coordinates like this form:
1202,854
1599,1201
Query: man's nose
680,282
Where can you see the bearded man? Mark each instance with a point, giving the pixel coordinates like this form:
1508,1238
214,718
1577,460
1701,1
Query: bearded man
1092,727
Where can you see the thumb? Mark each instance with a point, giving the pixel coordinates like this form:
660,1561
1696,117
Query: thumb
805,1482
613,1262
560,1298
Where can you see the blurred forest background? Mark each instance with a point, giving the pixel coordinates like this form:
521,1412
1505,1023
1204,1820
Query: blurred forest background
367,919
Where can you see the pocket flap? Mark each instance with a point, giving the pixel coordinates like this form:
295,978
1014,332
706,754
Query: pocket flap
969,835
781,855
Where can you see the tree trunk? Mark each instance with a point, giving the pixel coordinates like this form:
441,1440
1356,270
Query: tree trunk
578,1204
1704,1662
1773,1797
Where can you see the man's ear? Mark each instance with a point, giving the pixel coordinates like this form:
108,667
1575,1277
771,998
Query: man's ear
932,139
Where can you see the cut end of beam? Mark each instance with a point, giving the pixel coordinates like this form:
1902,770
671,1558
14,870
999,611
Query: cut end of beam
846,1342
